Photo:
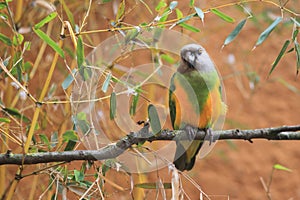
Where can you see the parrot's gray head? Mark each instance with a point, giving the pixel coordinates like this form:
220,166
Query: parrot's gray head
194,57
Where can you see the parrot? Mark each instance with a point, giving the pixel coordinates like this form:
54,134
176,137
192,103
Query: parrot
195,101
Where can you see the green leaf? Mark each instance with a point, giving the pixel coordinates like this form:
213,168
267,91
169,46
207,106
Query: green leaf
200,13
68,81
295,34
85,73
179,14
131,34
281,53
280,167
5,120
152,185
80,52
222,15
70,135
6,40
192,3
79,176
267,32
297,48
161,4
185,18
167,58
68,12
46,20
18,39
189,27
50,42
3,5
121,10
173,5
15,112
54,139
235,32
45,140
134,104
154,119
80,122
106,83
113,105
295,22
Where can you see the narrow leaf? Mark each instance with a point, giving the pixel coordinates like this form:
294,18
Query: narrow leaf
295,34
79,176
295,22
45,140
68,81
173,5
179,14
121,10
185,18
44,21
152,185
154,119
200,13
189,27
17,114
192,2
267,32
235,32
80,52
297,48
3,5
6,40
49,41
281,53
18,39
5,120
106,83
113,105
222,15
70,135
280,167
68,12
134,104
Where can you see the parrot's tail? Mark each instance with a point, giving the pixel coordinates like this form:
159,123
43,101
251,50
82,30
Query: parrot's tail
185,154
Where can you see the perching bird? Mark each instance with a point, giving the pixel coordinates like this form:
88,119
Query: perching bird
195,101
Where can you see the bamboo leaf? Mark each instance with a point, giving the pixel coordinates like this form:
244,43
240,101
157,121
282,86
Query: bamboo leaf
68,81
154,119
200,13
189,27
173,5
44,21
235,32
281,53
280,167
134,104
6,40
50,42
263,36
80,52
192,2
68,12
295,34
185,18
106,83
297,48
121,11
222,15
113,105
152,185
17,114
5,120
179,14
295,22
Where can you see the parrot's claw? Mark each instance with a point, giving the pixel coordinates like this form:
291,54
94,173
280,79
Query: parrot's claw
191,132
209,135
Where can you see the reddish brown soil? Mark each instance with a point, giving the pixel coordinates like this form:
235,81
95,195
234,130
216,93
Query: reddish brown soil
234,169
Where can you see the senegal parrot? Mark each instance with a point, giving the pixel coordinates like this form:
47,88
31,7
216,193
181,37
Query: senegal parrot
195,101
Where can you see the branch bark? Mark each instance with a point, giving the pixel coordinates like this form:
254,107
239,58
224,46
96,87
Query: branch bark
115,149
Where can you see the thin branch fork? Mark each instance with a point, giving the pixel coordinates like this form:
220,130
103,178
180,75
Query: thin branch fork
115,149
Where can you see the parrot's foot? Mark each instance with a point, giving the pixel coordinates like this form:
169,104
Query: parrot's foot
191,132
209,135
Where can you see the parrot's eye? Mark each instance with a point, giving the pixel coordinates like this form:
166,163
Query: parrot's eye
200,51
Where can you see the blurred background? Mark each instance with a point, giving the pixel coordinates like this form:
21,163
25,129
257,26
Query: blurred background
234,169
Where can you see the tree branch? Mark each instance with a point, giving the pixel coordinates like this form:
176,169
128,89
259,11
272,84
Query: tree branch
115,149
